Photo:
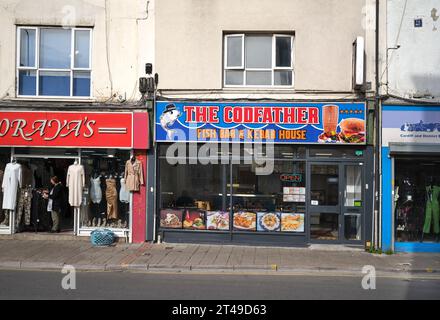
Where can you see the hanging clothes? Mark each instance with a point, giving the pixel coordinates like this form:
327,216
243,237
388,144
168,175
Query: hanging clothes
11,183
124,194
134,176
111,195
75,182
432,211
23,212
27,177
95,190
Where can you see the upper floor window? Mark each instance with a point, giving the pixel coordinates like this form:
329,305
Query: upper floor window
54,62
258,60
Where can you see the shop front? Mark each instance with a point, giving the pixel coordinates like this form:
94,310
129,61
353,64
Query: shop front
410,178
97,161
266,173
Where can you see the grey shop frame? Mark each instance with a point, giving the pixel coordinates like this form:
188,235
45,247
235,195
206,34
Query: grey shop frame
266,238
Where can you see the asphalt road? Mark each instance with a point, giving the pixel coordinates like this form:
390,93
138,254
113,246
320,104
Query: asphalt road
47,285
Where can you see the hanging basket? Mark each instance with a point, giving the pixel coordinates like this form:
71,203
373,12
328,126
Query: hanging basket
102,237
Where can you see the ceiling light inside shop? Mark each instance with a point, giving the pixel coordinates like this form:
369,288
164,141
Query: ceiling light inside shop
324,154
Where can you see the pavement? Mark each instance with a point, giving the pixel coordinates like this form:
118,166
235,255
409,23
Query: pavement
146,257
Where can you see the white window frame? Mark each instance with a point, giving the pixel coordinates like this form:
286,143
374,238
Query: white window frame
272,69
37,68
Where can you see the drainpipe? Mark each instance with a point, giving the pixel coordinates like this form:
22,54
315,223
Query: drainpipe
377,179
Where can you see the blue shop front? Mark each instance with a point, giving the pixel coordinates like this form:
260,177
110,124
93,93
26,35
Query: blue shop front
411,178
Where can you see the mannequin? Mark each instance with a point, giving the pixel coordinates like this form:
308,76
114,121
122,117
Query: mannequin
432,210
75,182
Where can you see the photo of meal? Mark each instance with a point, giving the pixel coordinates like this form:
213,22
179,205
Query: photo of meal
268,221
217,220
330,117
292,222
194,220
245,221
170,218
352,131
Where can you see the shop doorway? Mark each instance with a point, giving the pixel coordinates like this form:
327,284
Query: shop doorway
31,214
336,202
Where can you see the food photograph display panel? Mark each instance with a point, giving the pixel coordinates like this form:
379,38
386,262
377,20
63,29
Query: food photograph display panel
171,219
292,222
268,221
245,221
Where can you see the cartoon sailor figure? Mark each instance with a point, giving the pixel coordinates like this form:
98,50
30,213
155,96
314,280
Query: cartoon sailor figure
167,119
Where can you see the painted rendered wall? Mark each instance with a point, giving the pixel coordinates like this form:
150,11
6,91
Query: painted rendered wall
414,70
123,39
189,33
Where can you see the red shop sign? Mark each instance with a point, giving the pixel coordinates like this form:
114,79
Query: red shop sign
66,129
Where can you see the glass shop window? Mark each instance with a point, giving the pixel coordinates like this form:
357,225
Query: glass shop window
54,62
194,196
106,201
416,199
269,203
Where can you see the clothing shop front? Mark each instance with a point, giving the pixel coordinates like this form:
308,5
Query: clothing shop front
265,173
99,162
411,178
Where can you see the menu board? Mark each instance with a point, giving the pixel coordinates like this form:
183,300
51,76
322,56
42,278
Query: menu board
245,221
170,218
194,219
292,222
217,220
268,221
294,194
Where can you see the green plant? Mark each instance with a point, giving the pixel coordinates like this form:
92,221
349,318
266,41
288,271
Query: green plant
389,252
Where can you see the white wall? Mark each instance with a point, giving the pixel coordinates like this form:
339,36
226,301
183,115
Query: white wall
414,68
118,25
189,40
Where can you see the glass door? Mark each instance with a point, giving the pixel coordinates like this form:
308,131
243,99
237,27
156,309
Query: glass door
324,202
336,202
352,201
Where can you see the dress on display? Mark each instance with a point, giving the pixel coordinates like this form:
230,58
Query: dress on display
95,190
111,195
124,194
75,182
10,184
134,176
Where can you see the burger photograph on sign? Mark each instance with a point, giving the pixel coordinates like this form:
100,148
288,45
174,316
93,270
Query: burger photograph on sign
351,130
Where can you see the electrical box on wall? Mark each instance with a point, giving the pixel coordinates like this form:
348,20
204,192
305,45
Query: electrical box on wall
358,63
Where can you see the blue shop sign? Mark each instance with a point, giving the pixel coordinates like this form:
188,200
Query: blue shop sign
326,123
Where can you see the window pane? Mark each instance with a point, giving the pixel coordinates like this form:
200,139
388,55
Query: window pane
82,47
353,186
258,52
235,50
324,185
283,78
281,191
234,77
194,196
81,83
27,82
283,52
54,83
55,48
352,227
324,226
258,78
27,48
